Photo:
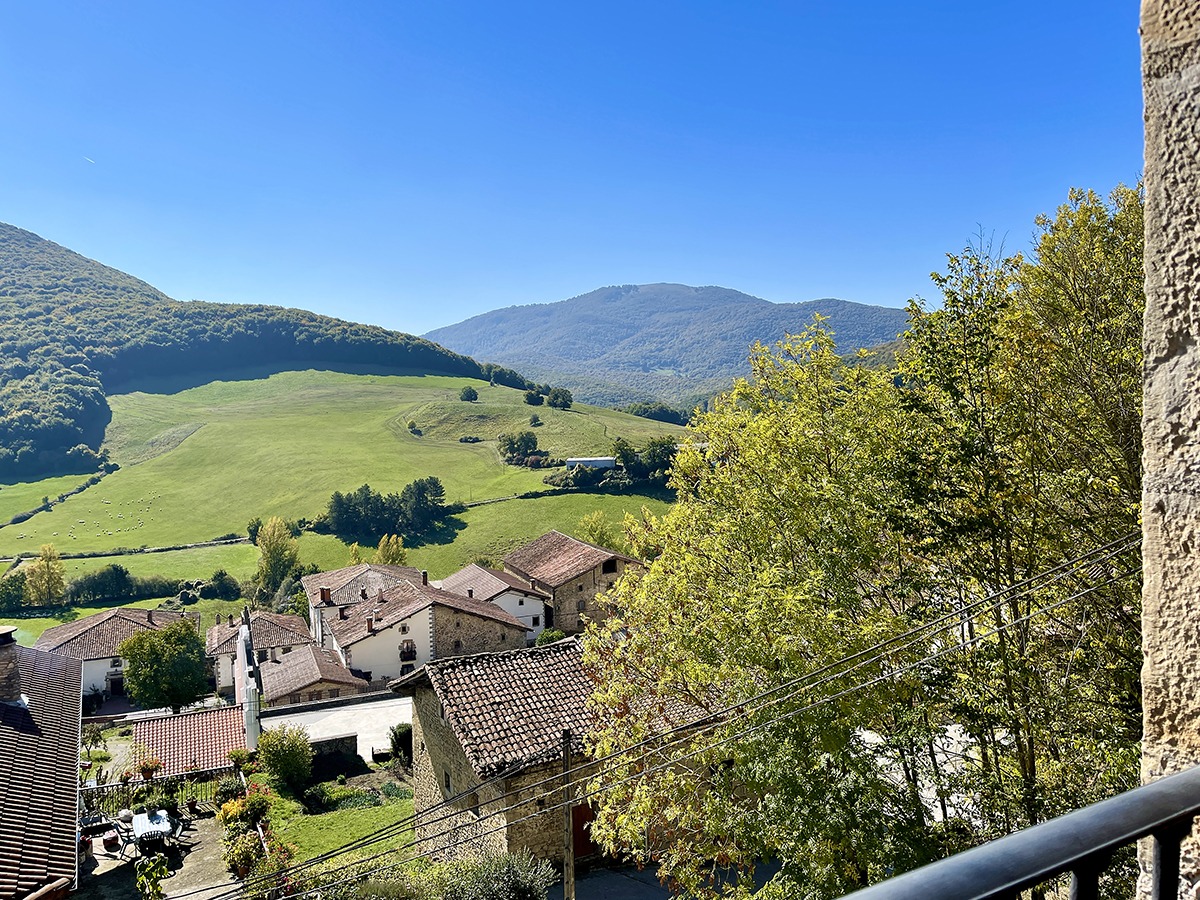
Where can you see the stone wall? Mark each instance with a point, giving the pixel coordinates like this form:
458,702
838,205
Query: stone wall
577,598
457,633
1171,420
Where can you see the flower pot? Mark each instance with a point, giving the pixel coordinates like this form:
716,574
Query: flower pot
192,805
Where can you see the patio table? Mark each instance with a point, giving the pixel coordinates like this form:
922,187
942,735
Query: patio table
151,828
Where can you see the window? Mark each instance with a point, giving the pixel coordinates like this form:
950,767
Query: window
503,638
458,645
405,669
537,620
403,628
287,650
581,605
446,782
262,656
115,663
314,695
333,692
422,746
457,623
293,698
579,587
608,566
521,601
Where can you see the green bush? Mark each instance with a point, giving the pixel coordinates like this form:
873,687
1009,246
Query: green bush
468,394
396,791
400,736
286,754
549,636
507,877
229,788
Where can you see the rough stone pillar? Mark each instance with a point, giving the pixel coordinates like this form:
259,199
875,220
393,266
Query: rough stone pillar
1171,422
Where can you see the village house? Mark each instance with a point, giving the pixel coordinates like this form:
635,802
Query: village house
328,592
508,592
39,770
487,730
308,674
272,635
94,641
404,627
571,572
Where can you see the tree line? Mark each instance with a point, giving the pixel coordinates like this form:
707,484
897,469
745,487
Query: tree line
828,507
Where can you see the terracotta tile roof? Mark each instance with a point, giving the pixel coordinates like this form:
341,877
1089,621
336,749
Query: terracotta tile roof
267,629
556,558
98,636
486,584
509,709
346,585
39,774
193,740
402,601
303,667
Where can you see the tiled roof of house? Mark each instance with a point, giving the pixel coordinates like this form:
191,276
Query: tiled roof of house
508,709
486,584
303,667
99,635
267,629
402,601
193,740
39,774
347,585
555,558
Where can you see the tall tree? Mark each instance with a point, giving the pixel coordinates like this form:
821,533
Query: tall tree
278,554
390,551
166,667
45,581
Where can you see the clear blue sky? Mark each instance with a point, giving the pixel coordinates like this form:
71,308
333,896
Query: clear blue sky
411,164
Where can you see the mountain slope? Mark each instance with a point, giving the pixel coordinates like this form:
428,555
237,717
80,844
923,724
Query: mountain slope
71,329
653,341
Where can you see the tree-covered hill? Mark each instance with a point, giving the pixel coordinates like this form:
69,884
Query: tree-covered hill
71,329
654,341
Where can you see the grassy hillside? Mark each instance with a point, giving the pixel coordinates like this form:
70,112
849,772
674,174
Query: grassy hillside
654,341
73,330
200,463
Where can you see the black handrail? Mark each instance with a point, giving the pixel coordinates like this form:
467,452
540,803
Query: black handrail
1080,842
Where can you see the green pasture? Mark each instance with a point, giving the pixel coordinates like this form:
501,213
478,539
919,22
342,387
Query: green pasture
200,463
239,560
22,497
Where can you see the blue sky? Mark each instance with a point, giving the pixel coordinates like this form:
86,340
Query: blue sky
412,164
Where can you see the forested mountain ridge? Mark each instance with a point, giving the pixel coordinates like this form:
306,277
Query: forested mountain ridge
71,328
671,342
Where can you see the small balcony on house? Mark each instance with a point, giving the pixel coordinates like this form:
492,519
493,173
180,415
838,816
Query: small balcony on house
1079,845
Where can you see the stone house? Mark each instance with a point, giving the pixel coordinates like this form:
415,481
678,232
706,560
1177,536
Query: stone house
272,635
329,592
571,572
94,640
309,673
508,592
404,627
487,730
40,707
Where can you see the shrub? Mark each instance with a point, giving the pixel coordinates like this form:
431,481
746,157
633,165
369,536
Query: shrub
228,788
239,756
508,876
468,394
400,736
469,439
242,852
395,791
533,398
535,420
549,636
286,754
559,398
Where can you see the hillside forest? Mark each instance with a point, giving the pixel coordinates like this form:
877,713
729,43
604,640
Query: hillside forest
71,330
909,600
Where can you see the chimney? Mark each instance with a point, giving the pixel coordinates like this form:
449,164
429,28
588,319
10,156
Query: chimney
370,624
379,596
424,577
149,617
470,593
10,675
363,594
325,595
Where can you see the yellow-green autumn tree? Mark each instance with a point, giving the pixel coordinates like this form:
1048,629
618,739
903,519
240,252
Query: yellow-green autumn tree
45,581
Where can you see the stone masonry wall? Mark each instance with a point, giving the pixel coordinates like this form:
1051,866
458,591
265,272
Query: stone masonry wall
583,590
474,634
436,752
1171,421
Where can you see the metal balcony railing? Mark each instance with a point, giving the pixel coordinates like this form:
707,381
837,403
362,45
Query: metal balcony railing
1081,842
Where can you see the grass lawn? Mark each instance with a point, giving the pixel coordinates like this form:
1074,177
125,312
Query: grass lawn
200,463
239,560
27,495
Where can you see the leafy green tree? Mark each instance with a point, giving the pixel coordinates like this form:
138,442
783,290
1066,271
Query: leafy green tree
518,445
286,754
533,398
92,736
252,529
549,636
165,667
44,579
559,398
390,551
355,554
278,554
12,591
595,528
468,394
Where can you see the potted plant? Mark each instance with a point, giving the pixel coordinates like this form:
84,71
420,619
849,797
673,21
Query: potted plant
242,852
193,804
148,765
